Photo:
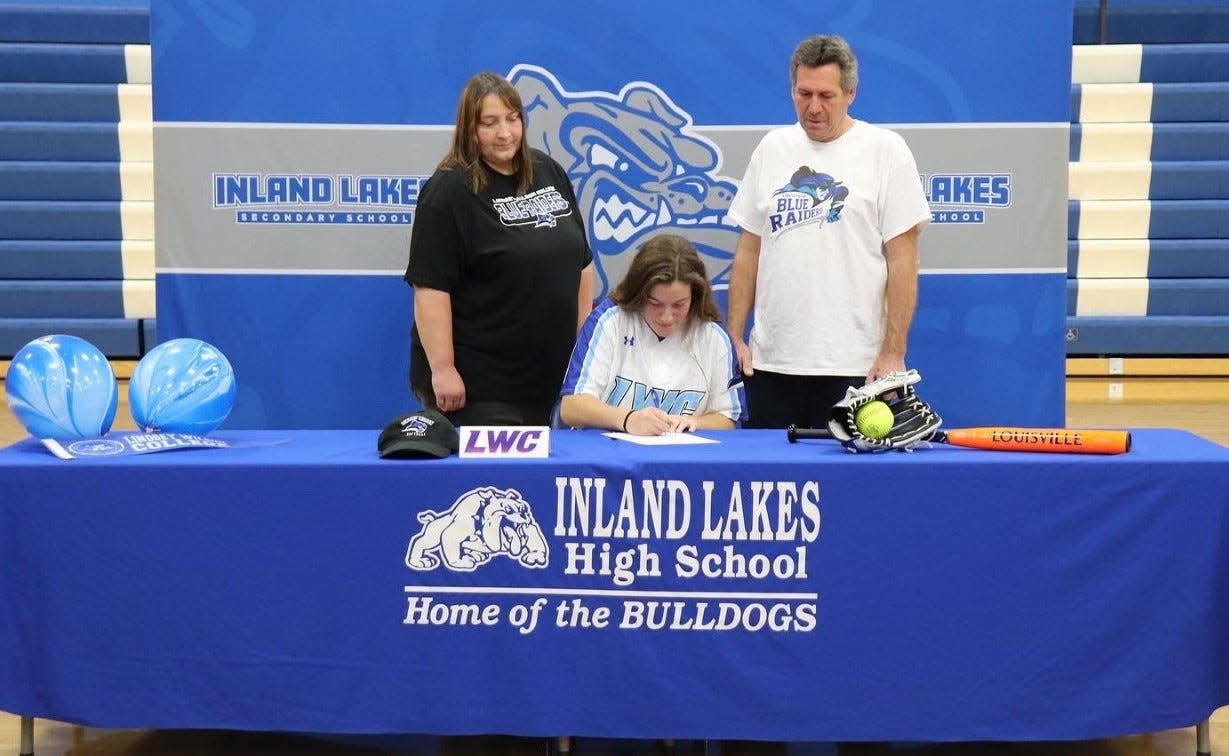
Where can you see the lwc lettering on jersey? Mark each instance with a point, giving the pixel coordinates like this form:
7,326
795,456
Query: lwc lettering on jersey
672,402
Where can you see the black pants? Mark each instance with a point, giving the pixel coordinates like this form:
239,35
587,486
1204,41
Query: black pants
776,400
494,413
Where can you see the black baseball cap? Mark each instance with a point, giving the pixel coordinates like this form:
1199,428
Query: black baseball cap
425,433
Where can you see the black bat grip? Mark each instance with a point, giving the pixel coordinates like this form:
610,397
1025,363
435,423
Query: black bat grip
795,434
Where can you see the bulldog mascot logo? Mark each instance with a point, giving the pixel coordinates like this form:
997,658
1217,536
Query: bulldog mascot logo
639,167
480,524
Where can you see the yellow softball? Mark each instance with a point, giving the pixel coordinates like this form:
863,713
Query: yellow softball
874,419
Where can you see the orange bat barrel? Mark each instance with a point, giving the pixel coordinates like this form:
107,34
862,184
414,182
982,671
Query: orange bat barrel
1062,440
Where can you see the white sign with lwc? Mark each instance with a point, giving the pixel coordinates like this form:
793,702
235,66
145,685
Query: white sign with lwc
509,441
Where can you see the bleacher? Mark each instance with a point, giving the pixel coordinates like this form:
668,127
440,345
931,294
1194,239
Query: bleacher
1148,249
76,174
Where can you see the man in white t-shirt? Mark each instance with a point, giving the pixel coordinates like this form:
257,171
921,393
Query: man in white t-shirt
831,209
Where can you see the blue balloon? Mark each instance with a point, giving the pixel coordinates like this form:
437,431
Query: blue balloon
181,386
62,387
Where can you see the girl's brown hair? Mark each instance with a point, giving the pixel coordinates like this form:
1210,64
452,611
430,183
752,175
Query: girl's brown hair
664,259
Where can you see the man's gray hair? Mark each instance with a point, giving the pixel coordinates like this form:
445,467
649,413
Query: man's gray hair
821,50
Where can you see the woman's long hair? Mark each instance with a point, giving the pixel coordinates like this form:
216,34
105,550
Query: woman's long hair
464,152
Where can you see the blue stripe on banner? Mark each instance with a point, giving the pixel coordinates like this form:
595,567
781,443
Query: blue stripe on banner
288,372
924,64
61,299
1149,334
967,330
1077,92
970,328
1073,151
60,220
1073,219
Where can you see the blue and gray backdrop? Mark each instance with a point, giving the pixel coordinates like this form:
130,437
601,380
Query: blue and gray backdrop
291,140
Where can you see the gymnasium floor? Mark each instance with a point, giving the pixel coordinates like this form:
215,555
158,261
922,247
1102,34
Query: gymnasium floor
1209,418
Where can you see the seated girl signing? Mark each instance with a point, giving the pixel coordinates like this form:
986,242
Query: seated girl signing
653,358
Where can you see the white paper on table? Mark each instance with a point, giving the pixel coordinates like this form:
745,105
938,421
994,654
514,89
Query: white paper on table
665,439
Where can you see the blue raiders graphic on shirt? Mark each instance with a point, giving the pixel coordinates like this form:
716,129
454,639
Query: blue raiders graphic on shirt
809,197
540,208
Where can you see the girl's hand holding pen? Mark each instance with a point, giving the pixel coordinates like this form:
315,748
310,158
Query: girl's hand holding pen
652,421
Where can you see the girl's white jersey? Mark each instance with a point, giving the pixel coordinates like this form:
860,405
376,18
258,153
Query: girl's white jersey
621,361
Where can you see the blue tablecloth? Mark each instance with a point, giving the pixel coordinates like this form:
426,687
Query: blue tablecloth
745,589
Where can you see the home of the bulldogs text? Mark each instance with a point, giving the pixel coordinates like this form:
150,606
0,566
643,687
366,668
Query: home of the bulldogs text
747,615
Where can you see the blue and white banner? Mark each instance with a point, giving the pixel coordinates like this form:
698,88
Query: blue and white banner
128,444
288,169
